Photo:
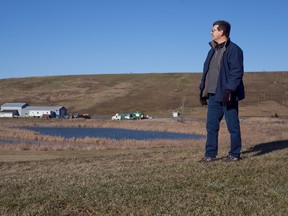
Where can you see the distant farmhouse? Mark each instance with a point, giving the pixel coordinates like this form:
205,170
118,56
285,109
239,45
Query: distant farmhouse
24,110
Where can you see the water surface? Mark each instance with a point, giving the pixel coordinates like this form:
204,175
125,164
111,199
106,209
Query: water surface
111,133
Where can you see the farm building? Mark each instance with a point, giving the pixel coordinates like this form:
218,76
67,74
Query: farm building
9,114
39,111
14,108
24,110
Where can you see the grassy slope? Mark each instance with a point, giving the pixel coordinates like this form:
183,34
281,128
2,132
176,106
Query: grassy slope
155,94
146,182
151,180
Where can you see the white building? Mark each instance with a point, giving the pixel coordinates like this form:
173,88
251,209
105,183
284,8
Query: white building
15,108
38,111
6,114
24,110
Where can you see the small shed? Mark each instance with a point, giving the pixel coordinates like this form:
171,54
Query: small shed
175,114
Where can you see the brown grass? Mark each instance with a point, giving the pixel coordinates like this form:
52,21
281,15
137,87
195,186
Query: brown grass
154,94
105,177
94,176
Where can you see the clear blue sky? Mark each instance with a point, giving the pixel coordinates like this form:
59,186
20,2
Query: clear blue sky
67,37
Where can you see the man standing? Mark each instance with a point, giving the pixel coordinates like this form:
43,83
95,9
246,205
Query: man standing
222,85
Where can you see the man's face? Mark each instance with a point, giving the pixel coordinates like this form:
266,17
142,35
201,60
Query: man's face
216,35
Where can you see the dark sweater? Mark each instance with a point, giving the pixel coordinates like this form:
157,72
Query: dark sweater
214,68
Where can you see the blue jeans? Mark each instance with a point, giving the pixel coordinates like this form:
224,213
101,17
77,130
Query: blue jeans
215,113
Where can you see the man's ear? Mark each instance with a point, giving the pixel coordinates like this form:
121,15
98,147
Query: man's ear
222,32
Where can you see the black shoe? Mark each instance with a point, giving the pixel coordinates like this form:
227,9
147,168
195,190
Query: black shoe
231,158
207,159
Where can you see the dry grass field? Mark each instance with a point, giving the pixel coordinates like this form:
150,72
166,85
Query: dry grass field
94,176
154,94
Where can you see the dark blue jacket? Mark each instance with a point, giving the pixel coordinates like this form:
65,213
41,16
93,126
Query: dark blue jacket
231,72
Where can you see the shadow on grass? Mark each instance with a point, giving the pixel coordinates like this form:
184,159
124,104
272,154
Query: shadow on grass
265,148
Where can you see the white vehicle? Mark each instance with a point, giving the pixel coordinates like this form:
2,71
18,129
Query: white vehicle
116,117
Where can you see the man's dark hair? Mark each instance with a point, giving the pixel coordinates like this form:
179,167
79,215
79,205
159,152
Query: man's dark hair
223,25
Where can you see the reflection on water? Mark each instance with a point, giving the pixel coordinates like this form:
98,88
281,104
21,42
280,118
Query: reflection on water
110,133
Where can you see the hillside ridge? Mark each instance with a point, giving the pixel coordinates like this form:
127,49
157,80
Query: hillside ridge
153,93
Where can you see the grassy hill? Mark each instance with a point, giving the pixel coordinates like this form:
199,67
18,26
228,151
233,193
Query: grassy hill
154,94
143,177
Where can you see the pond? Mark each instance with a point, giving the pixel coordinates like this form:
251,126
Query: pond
111,133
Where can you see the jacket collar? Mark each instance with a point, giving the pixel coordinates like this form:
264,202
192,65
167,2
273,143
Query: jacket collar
215,45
